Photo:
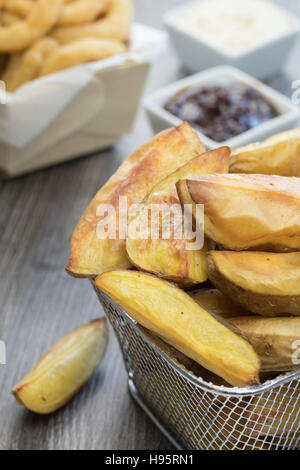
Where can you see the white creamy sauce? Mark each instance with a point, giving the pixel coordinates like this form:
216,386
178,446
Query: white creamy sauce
236,25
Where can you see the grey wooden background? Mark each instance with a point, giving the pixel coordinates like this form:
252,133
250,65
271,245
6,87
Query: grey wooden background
39,303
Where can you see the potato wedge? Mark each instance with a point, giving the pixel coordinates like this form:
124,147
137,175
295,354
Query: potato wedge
64,369
271,338
249,211
278,155
215,302
168,257
178,320
264,283
92,254
274,340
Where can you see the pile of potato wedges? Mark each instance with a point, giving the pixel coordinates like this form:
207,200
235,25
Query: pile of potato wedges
232,306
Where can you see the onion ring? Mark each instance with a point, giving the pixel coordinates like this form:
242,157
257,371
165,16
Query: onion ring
23,67
82,11
20,8
116,24
24,33
8,19
79,52
72,13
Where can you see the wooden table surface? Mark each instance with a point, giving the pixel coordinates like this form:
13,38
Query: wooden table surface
40,303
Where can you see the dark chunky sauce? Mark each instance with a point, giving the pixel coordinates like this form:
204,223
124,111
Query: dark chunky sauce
222,112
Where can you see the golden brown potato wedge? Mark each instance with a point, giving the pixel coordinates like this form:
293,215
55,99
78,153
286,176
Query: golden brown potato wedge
166,254
249,211
264,283
217,303
278,155
274,340
63,370
91,252
178,320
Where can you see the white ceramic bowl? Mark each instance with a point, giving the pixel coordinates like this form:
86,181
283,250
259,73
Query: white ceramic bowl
224,75
197,54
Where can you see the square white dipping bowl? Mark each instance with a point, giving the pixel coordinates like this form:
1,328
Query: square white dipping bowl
196,53
161,119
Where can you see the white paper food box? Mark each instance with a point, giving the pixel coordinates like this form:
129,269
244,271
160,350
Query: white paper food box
76,111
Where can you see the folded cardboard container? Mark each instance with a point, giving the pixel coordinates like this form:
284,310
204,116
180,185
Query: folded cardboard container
77,111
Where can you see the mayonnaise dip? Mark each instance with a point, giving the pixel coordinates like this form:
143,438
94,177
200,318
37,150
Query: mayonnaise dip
236,25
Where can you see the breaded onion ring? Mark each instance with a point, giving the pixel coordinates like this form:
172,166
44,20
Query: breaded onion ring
79,52
72,13
82,11
8,19
115,24
27,66
20,8
23,33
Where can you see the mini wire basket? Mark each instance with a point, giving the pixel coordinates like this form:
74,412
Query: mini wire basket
198,415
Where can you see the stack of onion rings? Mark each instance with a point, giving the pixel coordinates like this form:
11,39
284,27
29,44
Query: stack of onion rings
39,37
25,32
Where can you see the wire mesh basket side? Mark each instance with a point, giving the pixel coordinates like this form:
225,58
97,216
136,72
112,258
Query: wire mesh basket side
197,417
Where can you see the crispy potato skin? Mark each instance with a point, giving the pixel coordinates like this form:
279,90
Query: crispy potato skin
272,339
177,319
267,284
243,212
64,369
170,258
278,155
151,163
